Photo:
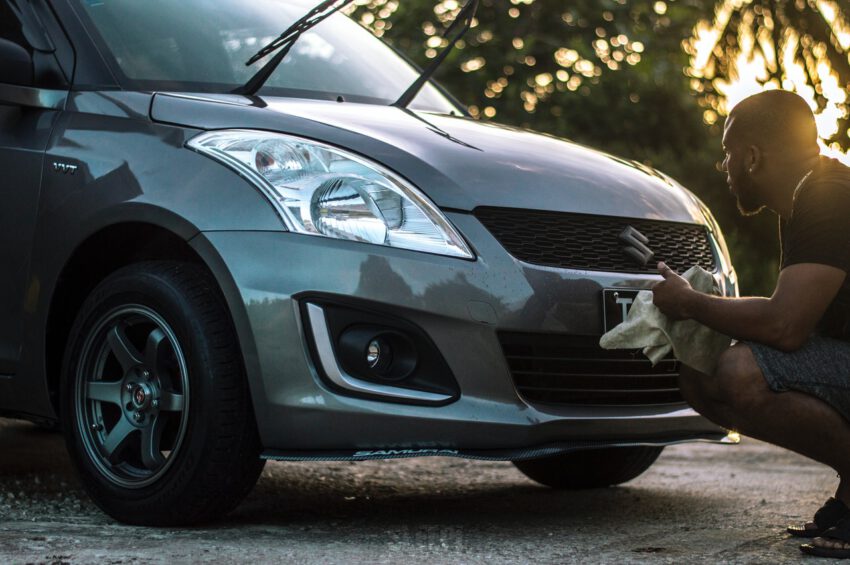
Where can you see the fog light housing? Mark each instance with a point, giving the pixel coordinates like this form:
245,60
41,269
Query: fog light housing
360,350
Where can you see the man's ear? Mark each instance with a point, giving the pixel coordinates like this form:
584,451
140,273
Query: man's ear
754,159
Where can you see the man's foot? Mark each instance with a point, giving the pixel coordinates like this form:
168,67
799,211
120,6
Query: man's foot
830,543
835,542
829,515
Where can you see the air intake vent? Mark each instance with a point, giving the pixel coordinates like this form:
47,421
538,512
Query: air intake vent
574,370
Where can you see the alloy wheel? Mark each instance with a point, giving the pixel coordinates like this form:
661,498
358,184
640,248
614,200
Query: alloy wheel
132,396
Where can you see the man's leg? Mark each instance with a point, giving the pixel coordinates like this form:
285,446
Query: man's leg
737,397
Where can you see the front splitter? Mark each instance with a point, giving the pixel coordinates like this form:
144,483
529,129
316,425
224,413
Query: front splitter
514,454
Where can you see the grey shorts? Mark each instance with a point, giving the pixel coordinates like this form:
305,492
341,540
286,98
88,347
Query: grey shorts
821,368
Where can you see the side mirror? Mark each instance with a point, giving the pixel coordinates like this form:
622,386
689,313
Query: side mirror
15,64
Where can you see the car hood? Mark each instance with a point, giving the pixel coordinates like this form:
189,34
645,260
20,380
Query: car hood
460,163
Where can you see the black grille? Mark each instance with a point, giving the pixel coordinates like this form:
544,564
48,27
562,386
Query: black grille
574,370
581,241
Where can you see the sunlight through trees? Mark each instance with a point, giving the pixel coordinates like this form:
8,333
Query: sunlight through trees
735,48
797,45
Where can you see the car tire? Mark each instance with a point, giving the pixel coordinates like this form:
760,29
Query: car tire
590,468
157,413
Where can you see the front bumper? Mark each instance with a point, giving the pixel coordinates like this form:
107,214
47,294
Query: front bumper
459,304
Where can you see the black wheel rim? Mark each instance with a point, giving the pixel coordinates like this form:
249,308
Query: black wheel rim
132,396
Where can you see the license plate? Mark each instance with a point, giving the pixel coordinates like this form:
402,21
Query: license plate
615,305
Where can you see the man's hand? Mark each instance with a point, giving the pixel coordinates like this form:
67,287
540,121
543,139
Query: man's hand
671,295
784,321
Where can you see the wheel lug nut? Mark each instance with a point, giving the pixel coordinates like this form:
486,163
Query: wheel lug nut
138,417
146,374
155,403
129,387
96,427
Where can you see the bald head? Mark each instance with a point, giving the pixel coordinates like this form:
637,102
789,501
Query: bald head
775,121
771,141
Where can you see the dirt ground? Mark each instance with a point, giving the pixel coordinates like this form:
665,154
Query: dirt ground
707,503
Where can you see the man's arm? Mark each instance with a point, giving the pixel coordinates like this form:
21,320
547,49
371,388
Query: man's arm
784,321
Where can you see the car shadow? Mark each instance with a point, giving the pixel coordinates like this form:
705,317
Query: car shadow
442,493
31,450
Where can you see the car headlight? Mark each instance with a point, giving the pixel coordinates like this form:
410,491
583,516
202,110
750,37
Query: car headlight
324,191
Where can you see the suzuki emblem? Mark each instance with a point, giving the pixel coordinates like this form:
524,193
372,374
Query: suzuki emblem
636,247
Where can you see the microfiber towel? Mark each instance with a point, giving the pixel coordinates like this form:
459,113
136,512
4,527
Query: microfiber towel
645,327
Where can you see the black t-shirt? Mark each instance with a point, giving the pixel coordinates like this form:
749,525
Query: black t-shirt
819,232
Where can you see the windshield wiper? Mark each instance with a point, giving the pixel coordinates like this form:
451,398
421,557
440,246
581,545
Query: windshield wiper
464,22
284,43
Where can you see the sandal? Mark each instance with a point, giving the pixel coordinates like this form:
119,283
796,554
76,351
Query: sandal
840,532
829,515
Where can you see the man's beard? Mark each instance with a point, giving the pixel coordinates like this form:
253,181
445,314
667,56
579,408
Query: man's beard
748,201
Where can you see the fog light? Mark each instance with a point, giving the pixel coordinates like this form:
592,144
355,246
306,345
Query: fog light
376,353
379,354
373,353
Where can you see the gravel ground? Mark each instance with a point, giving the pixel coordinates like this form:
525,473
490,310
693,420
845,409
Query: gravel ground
701,502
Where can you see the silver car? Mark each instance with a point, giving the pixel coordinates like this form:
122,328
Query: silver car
201,276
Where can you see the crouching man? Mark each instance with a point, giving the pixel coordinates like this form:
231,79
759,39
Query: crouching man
787,379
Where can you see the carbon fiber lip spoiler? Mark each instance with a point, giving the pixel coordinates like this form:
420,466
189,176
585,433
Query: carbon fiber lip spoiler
512,454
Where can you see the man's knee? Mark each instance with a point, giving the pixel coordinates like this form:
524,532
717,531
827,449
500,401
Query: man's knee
737,383
695,387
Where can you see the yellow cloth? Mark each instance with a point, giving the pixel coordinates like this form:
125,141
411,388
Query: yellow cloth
694,344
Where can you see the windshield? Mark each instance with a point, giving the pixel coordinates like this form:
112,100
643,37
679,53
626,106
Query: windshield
202,46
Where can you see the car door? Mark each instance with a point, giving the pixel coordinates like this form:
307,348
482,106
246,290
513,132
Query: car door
28,110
